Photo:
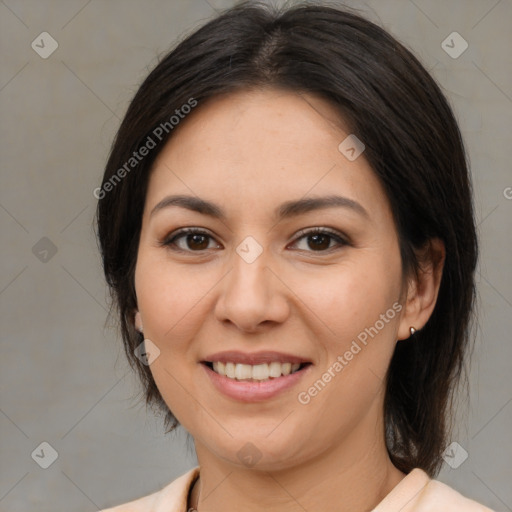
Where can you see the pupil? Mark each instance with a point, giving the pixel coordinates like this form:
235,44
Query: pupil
320,237
196,240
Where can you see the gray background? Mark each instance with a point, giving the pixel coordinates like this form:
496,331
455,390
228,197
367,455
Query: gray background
64,378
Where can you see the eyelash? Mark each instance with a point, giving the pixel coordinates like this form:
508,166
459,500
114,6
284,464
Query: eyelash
170,241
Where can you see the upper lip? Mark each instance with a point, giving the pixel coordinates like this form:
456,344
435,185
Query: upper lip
234,356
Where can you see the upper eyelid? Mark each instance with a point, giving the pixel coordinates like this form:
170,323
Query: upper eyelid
320,229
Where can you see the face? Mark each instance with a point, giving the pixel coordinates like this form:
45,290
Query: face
261,287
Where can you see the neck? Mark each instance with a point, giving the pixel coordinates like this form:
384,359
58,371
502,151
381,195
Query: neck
353,475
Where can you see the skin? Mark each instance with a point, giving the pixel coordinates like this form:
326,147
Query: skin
248,152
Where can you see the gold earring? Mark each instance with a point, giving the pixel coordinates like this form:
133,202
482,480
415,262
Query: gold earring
412,330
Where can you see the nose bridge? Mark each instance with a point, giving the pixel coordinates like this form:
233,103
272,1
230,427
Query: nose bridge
250,294
250,273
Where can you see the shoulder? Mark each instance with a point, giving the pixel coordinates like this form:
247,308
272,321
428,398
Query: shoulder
437,495
418,493
171,498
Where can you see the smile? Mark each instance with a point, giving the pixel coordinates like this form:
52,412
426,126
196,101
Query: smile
254,377
258,372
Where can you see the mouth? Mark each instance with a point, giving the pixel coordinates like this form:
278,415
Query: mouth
254,373
254,377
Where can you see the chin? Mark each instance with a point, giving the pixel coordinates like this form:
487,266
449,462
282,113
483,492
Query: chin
260,452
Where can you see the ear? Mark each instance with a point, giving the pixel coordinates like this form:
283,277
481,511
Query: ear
423,289
138,321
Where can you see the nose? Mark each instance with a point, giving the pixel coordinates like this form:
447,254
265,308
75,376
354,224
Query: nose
252,295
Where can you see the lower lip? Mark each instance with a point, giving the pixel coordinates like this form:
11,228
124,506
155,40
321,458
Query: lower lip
246,391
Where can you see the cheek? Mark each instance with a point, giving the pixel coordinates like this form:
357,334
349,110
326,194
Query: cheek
351,296
357,330
349,385
170,299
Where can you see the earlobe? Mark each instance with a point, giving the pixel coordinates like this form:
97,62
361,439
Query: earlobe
423,289
138,322
409,318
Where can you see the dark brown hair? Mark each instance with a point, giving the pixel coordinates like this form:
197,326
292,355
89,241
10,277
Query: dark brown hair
413,144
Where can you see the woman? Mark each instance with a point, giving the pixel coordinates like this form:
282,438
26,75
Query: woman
287,228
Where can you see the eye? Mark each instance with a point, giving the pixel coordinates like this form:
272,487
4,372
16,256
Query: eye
319,239
194,240
197,240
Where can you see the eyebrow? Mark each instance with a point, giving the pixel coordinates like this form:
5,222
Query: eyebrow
287,209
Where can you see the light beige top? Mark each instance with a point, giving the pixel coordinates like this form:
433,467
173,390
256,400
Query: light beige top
415,493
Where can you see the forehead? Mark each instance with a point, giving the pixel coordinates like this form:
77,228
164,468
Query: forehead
272,123
259,147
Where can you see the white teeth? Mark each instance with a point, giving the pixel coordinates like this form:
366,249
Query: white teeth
260,372
275,369
256,372
286,368
243,371
229,370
